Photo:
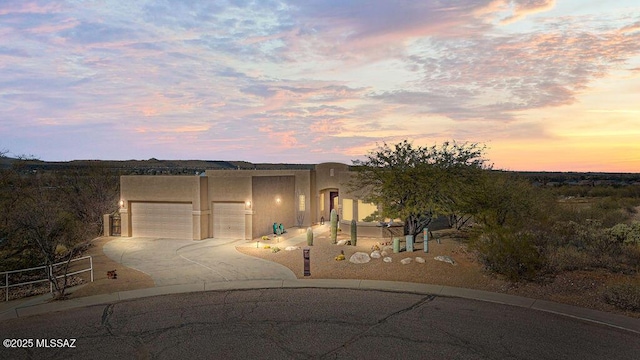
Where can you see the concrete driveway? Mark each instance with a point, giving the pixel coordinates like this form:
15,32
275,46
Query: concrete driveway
174,261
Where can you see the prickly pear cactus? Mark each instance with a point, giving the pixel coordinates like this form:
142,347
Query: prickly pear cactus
309,236
334,226
354,232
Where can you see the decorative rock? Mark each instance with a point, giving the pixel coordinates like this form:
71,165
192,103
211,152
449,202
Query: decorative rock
445,258
420,260
384,253
388,248
360,258
376,254
387,259
342,242
292,248
405,261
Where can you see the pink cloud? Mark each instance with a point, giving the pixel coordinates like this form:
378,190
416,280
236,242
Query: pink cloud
524,8
29,7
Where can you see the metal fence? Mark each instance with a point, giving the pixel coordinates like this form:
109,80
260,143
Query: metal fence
47,274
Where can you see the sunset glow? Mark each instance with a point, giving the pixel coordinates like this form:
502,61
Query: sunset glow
547,85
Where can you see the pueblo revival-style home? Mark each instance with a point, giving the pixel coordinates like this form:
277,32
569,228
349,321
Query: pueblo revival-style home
241,204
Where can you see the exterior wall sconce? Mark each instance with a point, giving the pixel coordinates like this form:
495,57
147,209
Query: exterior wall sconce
278,200
247,204
121,203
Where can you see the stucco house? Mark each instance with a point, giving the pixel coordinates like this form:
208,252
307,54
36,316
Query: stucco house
242,204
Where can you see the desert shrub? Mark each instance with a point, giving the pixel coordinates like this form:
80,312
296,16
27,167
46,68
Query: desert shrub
626,234
516,255
61,250
568,258
624,296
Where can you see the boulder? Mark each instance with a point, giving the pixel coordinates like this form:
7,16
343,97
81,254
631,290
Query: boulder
360,258
420,260
387,259
342,242
446,259
376,254
384,253
292,248
406,261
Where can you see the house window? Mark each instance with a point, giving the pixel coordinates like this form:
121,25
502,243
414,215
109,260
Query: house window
301,203
347,209
322,202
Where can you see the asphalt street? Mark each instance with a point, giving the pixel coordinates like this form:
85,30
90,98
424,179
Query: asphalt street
314,323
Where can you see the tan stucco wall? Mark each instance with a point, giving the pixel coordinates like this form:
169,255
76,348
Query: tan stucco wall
324,180
266,189
177,189
240,186
260,187
325,183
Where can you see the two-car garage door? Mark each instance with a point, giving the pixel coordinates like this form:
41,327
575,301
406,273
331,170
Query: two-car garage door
162,220
228,220
175,220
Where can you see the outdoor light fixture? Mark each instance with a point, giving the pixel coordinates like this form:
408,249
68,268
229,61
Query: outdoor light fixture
248,204
121,203
278,200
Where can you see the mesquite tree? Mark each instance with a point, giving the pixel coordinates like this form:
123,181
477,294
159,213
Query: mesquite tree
416,183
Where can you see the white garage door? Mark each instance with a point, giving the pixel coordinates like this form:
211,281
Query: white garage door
164,220
228,220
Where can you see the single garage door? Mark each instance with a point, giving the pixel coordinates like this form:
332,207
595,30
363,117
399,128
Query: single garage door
163,220
228,220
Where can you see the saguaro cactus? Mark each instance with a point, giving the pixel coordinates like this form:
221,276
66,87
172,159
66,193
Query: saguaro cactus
334,226
354,232
309,236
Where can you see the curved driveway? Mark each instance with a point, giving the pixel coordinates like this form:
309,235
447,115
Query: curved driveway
173,262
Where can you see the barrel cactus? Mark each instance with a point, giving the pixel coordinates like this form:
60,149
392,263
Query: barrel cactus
309,236
334,226
354,232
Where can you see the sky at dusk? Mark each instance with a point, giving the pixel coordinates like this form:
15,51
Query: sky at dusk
545,85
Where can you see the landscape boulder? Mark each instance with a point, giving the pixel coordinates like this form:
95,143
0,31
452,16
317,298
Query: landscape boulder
406,261
376,254
360,258
445,258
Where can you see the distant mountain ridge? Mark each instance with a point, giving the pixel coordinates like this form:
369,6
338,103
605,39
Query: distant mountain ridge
154,166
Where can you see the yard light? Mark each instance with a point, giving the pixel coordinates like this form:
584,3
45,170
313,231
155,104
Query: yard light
122,203
248,204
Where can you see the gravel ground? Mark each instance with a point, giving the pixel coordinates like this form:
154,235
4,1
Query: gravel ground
580,288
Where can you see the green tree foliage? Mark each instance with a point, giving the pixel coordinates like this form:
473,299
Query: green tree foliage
415,183
502,199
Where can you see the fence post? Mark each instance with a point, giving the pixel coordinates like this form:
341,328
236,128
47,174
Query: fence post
91,265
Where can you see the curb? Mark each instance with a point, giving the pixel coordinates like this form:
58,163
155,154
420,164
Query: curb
593,316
